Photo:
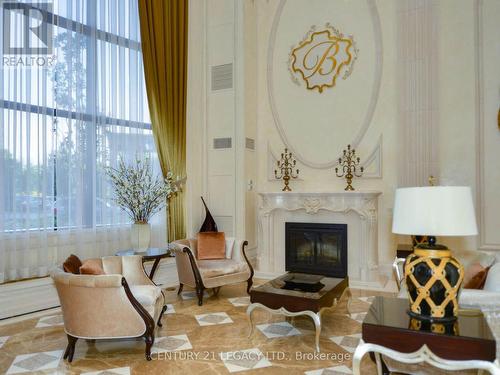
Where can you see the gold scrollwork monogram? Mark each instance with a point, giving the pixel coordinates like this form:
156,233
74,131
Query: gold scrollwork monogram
321,57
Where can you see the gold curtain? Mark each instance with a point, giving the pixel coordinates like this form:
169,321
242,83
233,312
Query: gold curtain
164,25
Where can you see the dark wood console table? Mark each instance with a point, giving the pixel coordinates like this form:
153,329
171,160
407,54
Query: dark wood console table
387,330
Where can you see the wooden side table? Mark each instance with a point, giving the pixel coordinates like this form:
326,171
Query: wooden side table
154,254
386,331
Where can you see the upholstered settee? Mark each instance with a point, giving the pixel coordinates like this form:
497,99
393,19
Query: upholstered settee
212,274
122,303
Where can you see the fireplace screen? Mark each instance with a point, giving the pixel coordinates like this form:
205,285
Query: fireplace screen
319,249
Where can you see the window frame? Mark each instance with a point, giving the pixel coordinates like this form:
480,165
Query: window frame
88,29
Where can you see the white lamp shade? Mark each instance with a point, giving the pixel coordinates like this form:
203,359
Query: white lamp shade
434,211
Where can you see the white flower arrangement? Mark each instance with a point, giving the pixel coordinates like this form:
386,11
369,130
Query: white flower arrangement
138,192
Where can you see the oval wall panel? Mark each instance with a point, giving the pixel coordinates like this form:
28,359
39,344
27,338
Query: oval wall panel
318,126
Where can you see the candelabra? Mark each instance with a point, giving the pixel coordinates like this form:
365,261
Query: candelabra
350,164
286,167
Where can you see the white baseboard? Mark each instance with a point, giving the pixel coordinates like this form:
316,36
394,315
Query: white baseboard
24,297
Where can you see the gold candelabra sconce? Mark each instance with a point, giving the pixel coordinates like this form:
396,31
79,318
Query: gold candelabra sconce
286,168
350,168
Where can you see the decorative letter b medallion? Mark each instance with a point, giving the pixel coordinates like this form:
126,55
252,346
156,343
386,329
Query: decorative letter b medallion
321,57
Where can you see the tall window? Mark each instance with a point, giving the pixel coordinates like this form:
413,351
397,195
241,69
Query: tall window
70,114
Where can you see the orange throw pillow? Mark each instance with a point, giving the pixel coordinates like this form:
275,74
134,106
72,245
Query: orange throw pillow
92,267
72,264
211,245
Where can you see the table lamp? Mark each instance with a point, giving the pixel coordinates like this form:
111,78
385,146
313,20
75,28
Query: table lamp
433,276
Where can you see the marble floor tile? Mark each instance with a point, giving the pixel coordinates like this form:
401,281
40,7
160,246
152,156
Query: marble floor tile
182,334
50,321
359,317
367,299
336,370
170,309
239,301
348,343
3,340
244,360
192,295
171,344
280,329
213,319
111,371
26,363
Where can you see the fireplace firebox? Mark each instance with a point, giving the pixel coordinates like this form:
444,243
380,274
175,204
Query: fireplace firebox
319,249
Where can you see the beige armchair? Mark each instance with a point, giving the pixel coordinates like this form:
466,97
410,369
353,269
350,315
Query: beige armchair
123,303
211,274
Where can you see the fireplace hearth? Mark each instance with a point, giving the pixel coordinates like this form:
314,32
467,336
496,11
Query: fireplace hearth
315,248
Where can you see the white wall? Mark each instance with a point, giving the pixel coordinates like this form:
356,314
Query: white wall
383,124
467,88
469,84
218,174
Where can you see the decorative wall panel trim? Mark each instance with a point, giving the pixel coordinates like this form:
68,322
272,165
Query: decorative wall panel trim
418,99
374,159
377,32
480,170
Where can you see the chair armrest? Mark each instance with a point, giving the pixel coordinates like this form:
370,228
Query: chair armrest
187,266
239,254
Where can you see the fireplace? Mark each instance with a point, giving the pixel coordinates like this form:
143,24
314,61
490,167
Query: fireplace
319,249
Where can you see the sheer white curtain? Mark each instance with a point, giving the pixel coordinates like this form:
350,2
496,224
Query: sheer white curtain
62,123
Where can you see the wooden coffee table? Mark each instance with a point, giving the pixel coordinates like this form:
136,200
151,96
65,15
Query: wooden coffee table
388,330
276,297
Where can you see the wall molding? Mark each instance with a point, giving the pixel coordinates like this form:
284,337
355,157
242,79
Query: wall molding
374,158
480,168
377,32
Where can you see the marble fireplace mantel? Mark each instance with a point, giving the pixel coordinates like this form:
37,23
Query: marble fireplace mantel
358,209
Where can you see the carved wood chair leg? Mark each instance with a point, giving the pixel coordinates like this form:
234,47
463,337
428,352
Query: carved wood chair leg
249,284
199,293
216,291
180,289
66,352
149,339
161,316
70,350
